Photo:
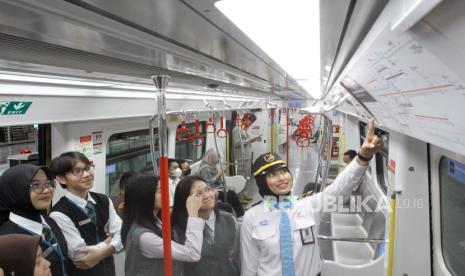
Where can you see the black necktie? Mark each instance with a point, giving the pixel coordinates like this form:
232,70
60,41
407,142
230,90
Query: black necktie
47,236
90,211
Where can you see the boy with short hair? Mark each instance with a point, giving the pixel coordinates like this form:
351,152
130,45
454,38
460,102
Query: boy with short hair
88,220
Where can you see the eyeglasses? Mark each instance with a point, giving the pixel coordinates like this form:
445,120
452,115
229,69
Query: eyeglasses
79,172
39,188
204,190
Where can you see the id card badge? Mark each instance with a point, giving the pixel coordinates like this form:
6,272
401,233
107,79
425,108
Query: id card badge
306,235
47,252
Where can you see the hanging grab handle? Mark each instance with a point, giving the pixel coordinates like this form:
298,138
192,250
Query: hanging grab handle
221,132
197,139
303,141
183,133
210,128
302,135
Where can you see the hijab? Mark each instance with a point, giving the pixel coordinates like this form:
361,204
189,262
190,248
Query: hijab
14,192
18,254
211,157
264,165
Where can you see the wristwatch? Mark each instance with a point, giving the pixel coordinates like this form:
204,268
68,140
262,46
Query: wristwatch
363,158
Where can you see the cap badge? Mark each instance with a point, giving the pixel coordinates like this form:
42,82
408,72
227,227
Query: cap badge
269,157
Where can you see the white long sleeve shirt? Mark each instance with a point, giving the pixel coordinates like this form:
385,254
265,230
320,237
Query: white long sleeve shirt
30,225
260,249
151,245
72,235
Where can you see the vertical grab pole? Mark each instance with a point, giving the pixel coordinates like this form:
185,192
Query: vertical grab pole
161,82
152,145
392,228
287,136
272,130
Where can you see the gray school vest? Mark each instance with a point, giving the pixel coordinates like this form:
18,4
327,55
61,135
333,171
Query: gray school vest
217,258
137,264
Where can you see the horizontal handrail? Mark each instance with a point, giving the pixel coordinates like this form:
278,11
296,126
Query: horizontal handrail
364,240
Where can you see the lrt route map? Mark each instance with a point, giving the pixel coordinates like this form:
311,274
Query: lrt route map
406,86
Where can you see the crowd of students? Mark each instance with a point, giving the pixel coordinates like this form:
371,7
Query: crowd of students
82,231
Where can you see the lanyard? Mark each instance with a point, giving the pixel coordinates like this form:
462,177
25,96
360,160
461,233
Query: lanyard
51,247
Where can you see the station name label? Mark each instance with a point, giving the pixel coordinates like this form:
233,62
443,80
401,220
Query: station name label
14,108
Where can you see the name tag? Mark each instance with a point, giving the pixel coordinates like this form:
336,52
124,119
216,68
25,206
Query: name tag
47,252
86,221
306,235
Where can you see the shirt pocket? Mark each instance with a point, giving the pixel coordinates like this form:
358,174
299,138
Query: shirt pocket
263,232
302,220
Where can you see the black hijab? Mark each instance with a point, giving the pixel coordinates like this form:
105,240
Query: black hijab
14,192
263,188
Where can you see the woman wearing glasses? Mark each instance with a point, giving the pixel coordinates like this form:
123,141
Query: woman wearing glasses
141,230
88,220
220,235
26,193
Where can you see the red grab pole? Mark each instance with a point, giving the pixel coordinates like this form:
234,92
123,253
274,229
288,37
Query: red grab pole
161,82
165,216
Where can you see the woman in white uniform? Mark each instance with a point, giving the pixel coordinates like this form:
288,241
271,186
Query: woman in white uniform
279,235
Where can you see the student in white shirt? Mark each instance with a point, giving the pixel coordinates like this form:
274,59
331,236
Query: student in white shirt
141,230
174,176
279,235
26,193
220,235
88,220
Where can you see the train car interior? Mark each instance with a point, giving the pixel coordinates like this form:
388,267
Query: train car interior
129,83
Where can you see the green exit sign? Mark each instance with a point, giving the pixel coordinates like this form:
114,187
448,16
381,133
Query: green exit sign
14,108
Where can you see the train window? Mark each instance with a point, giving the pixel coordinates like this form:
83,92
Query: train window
186,150
363,131
127,152
18,144
452,190
381,157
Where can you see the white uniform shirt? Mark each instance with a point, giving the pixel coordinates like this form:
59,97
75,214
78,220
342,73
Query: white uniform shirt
151,245
260,249
172,188
244,135
33,226
210,223
72,235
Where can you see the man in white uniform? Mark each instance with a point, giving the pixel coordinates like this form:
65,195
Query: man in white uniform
174,173
242,142
279,235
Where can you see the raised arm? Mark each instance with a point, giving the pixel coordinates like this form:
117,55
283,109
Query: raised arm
351,176
151,245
